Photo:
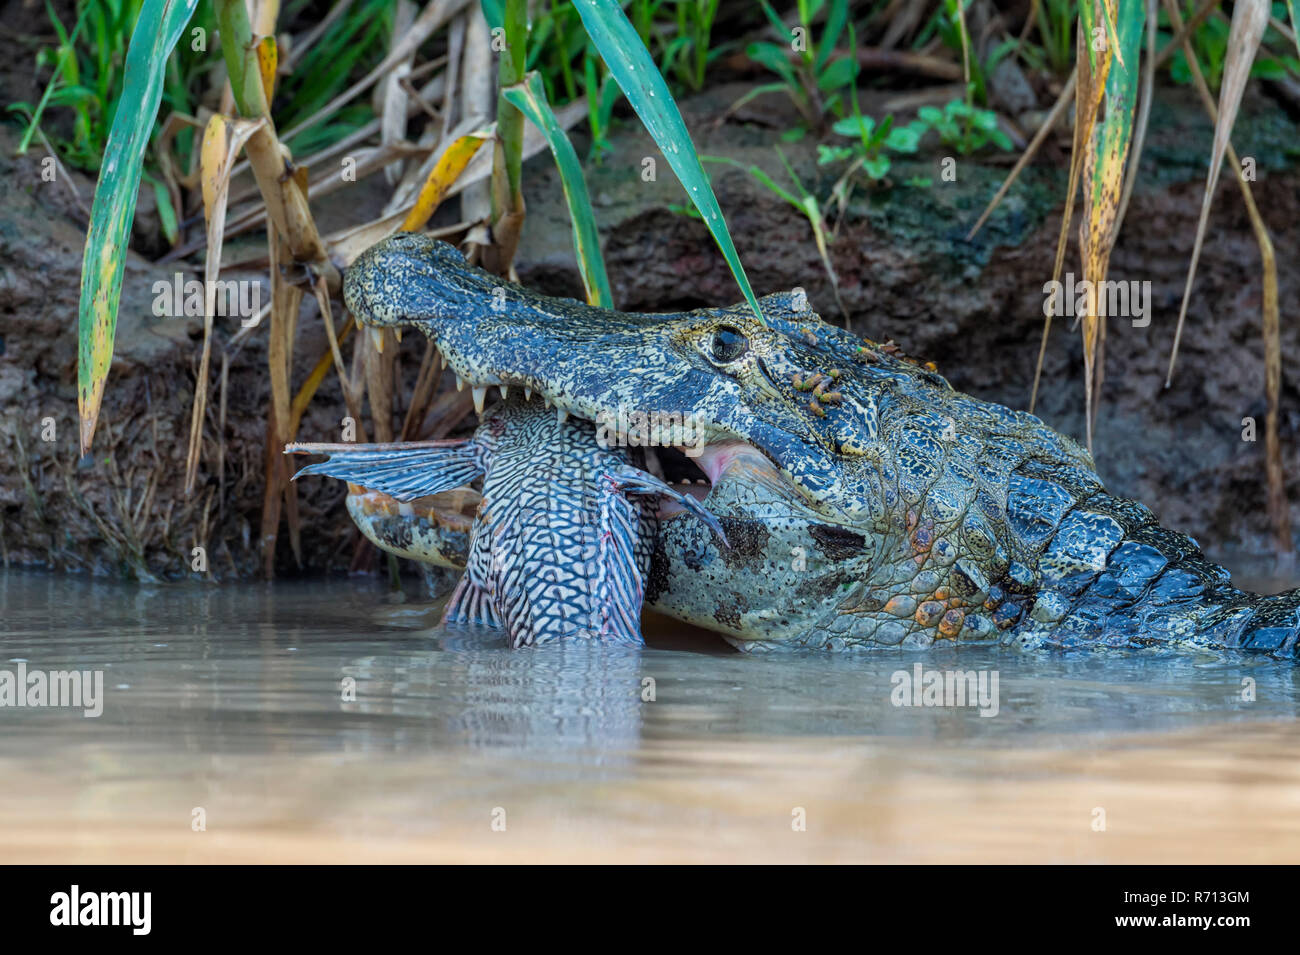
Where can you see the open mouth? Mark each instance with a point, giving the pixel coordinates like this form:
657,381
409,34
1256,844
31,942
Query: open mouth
701,474
696,469
694,465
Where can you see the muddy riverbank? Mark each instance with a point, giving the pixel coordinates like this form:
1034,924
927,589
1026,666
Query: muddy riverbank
906,273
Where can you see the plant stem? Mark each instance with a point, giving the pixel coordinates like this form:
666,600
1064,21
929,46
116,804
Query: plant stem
507,165
286,202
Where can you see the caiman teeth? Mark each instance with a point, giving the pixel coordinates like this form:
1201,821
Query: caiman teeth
377,339
504,389
460,383
528,394
480,395
561,415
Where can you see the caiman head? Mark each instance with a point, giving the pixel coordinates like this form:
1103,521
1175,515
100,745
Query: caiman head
865,501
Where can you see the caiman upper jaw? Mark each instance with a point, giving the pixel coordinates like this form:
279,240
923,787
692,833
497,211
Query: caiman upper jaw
492,333
596,364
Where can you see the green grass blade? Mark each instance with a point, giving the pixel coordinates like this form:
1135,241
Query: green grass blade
157,32
66,62
633,69
529,97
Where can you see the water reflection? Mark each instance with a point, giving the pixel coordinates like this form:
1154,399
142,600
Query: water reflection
240,698
262,667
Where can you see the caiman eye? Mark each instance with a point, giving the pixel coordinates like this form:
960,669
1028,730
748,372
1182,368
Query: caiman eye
728,344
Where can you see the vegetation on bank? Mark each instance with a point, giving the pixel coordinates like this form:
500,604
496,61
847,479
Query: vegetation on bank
243,116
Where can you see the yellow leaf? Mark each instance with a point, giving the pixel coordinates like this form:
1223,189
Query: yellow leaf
267,58
441,177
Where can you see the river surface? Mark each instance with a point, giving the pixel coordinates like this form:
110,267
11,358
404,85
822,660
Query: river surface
332,721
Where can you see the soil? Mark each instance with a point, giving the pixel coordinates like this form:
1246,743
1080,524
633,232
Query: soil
905,270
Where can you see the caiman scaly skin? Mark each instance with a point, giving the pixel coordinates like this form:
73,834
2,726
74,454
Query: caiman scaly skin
867,503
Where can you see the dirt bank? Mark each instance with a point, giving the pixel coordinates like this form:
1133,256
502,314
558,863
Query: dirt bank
906,272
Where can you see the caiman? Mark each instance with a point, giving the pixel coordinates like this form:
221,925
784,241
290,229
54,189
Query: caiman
861,501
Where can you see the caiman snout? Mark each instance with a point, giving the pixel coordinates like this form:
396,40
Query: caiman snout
411,279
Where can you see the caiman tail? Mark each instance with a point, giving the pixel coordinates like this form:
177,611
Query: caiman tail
1113,576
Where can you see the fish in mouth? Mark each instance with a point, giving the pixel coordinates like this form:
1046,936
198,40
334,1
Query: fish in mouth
563,531
853,498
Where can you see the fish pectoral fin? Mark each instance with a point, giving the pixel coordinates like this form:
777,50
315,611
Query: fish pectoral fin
404,472
632,481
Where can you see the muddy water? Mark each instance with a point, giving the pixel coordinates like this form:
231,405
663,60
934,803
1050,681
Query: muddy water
225,736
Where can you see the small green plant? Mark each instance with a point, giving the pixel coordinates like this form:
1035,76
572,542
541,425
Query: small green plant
808,207
88,75
561,52
964,127
868,152
1210,45
809,73
602,95
1055,24
873,144
358,40
948,24
686,56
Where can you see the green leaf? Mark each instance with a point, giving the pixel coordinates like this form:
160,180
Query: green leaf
166,214
904,139
781,29
773,57
494,12
157,31
836,18
839,74
855,126
881,134
877,167
630,64
529,98
829,154
1111,140
1268,68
